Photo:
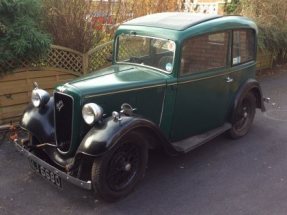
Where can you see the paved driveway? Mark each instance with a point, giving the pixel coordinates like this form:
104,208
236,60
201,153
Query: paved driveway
246,176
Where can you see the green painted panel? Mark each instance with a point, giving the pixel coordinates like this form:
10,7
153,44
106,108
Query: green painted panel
240,74
148,102
142,88
168,106
201,104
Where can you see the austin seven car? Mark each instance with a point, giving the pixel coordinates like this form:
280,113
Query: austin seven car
177,81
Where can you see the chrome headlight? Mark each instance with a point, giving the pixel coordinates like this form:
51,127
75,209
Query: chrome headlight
91,113
39,97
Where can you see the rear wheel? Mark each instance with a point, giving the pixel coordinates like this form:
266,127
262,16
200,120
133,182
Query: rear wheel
244,115
117,173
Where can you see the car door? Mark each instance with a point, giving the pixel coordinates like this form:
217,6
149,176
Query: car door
203,85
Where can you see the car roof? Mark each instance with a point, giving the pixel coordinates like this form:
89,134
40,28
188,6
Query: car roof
178,26
172,20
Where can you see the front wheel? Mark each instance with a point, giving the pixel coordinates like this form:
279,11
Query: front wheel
244,115
117,173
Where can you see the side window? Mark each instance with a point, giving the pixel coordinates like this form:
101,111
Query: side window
204,52
243,48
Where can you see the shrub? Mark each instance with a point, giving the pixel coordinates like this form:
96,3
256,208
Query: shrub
20,34
231,7
68,23
271,18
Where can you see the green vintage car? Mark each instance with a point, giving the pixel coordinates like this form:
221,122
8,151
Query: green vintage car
177,80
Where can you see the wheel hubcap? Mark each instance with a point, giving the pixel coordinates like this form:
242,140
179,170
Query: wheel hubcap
128,167
243,115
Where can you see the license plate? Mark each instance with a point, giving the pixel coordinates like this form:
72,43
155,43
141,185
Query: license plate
47,174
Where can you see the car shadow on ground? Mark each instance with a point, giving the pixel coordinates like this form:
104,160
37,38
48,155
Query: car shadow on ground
167,180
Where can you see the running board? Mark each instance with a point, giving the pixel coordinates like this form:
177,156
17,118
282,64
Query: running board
193,142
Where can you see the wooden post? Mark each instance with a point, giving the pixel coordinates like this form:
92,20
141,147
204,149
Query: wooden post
85,63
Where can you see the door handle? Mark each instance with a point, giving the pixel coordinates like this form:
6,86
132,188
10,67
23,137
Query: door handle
228,79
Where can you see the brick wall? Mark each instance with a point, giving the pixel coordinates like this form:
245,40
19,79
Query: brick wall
205,6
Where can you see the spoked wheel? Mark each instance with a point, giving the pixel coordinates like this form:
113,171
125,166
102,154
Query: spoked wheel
244,116
116,174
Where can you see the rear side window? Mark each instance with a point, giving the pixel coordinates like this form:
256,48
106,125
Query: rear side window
243,49
204,53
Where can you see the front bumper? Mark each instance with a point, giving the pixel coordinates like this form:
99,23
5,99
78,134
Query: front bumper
63,175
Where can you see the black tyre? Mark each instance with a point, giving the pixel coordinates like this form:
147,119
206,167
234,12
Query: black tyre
117,173
243,116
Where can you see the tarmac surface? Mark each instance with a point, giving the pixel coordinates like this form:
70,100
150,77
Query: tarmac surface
245,176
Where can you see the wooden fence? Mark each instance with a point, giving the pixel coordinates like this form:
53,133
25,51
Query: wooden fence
15,89
64,58
60,65
264,60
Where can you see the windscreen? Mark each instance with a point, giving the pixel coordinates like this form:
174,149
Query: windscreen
146,51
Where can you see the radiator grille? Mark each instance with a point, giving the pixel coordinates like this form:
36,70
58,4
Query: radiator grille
63,120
